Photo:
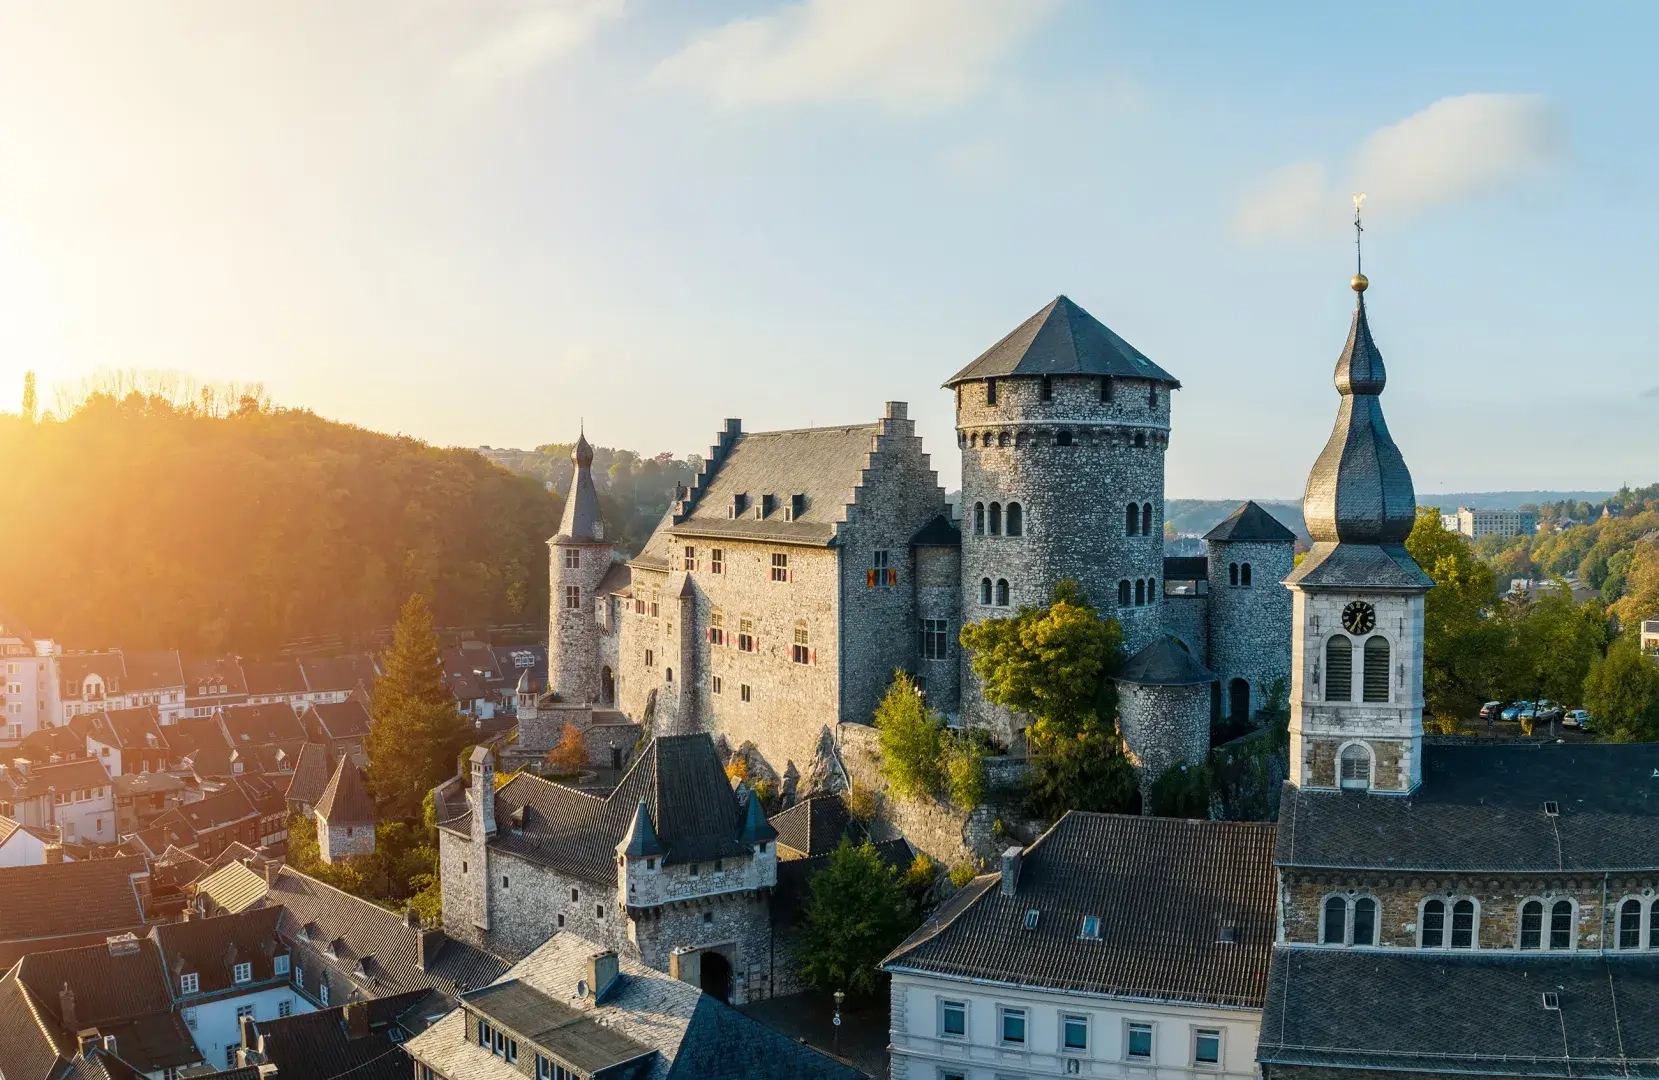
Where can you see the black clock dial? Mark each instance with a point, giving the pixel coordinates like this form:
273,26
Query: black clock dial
1359,617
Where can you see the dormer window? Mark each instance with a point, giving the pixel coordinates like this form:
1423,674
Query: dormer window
242,973
1031,919
189,983
1091,928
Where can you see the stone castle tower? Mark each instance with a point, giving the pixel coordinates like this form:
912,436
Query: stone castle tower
1063,427
1250,554
1356,703
580,557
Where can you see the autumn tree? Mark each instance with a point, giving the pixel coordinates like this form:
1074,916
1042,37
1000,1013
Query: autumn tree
417,729
571,755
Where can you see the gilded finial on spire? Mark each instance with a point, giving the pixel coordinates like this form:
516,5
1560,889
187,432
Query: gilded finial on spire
1360,281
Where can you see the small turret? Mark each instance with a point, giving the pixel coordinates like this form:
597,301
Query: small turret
756,829
483,793
641,840
580,557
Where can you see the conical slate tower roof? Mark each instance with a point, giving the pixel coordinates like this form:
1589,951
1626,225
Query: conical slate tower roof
1359,491
641,839
1251,522
1165,662
755,826
581,523
1063,339
346,801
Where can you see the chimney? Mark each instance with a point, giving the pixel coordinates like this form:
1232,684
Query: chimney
427,946
66,1007
602,972
356,1015
411,918
52,853
272,868
1011,870
109,1044
249,1036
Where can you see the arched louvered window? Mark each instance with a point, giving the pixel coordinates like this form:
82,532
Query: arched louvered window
1140,592
1232,574
985,591
979,519
1355,768
1146,520
1376,668
1339,669
1123,593
1002,592
1016,520
996,519
1532,925
1244,575
1131,520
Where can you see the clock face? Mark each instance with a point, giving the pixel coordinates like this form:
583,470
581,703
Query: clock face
1359,617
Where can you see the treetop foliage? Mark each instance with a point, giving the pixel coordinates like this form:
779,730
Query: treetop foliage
417,730
858,912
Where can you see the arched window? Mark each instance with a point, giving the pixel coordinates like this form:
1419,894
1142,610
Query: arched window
1244,575
1630,924
1433,924
1016,520
1339,669
1047,388
1063,438
1561,925
1232,574
667,674
1140,438
1376,668
973,439
1146,520
1463,924
1152,590
1365,921
1152,395
1131,520
1140,592
985,591
1356,768
1652,924
996,519
1123,593
1532,925
1333,928
979,519
1002,592
1019,439
1002,438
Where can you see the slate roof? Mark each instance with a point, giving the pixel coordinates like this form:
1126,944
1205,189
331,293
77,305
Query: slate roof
574,1036
215,671
941,531
31,898
317,1044
216,811
346,801
335,673
1435,1013
1186,568
693,1034
347,719
63,777
211,948
364,929
169,830
1251,523
129,729
311,775
1360,566
254,725
190,734
1164,662
274,677
39,745
1481,807
617,579
813,826
691,802
73,668
1063,339
157,670
234,888
124,995
1360,491
29,1048
824,464
581,522
1164,890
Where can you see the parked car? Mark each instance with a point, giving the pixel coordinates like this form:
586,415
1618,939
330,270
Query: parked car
1513,712
1490,710
1577,718
1529,711
1549,710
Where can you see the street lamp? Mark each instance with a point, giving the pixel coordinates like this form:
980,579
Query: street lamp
840,996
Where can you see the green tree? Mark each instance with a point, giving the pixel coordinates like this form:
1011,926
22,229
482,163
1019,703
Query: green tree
1182,790
1463,645
1621,692
858,913
31,402
417,729
964,769
911,737
1552,643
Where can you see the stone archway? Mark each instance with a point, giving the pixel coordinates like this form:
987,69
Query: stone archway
607,686
715,975
1238,701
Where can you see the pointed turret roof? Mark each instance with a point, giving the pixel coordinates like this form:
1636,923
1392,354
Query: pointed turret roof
346,801
581,523
1063,339
1165,662
755,826
1250,522
641,838
524,682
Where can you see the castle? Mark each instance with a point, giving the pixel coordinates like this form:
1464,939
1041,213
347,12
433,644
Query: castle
780,592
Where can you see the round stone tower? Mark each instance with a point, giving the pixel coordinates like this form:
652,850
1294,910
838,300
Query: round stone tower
1063,427
1163,710
1250,554
580,557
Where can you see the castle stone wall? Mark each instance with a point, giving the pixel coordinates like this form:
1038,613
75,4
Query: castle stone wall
573,643
1163,726
1187,618
938,576
336,842
1250,624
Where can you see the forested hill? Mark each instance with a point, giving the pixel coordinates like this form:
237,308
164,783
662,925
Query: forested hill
139,524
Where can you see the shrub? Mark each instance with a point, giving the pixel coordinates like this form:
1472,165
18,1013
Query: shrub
910,736
964,774
962,873
860,802
1183,791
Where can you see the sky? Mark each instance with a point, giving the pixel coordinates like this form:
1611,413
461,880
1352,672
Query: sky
488,223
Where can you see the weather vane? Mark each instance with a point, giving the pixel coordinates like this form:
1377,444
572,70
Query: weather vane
1359,281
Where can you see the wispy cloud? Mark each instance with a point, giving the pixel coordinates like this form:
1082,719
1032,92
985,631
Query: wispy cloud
905,55
1456,149
517,45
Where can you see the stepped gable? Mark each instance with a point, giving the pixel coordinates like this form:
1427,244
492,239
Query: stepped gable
679,778
346,801
1481,808
1063,339
1166,890
1251,523
1165,662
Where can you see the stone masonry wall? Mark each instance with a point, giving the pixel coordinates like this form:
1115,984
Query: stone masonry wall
1163,726
1187,618
938,576
1250,625
1073,499
336,842
573,637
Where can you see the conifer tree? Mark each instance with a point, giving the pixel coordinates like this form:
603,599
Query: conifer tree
417,730
31,400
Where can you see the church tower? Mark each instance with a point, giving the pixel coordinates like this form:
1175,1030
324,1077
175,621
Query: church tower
580,557
1356,700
